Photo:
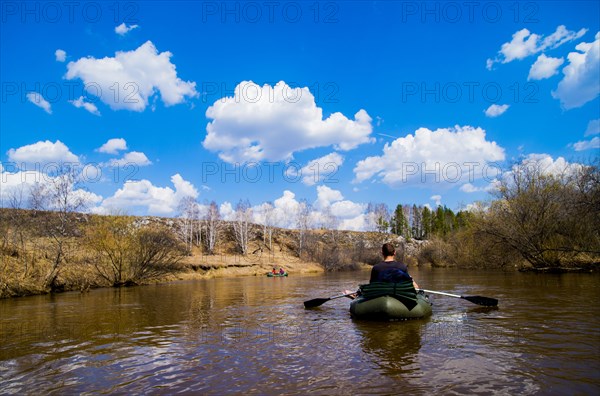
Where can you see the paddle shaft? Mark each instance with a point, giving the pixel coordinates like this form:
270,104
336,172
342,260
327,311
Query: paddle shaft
442,293
479,300
334,297
315,302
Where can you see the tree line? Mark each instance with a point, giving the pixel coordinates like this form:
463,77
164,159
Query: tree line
534,219
418,222
48,242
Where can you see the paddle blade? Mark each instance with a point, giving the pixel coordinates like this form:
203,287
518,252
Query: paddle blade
484,301
315,302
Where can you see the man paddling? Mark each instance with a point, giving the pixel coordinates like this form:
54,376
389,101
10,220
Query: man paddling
389,270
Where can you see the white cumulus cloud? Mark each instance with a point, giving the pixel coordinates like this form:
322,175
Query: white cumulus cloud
581,81
593,128
326,196
348,210
60,55
284,209
549,166
227,211
322,169
38,100
583,145
123,29
143,197
469,188
89,106
271,123
113,146
132,158
524,44
350,215
130,78
496,110
15,188
42,152
544,67
446,155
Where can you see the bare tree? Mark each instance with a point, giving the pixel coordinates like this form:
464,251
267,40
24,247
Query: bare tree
63,197
382,216
370,223
13,233
188,209
540,215
269,221
38,197
330,222
126,254
378,217
303,223
242,225
16,196
212,226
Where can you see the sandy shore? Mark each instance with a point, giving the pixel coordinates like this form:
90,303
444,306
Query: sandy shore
213,266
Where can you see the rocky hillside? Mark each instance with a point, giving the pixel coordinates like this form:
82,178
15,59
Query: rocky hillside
52,251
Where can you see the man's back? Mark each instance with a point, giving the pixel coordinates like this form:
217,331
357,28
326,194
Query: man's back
390,271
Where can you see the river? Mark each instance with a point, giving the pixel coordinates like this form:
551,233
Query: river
252,335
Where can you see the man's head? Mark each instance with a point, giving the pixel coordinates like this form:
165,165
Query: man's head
388,250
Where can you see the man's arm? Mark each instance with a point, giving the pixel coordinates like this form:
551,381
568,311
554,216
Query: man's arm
374,275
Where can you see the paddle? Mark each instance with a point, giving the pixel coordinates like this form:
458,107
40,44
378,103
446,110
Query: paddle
315,302
485,301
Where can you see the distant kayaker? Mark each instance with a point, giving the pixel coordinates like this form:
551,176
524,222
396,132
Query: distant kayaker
390,270
281,271
274,271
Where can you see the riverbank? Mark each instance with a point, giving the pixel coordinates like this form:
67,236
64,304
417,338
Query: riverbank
49,252
200,266
81,276
228,269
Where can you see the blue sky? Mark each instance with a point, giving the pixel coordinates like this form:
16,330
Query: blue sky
336,103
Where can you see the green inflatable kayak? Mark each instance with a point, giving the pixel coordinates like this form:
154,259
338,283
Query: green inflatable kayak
272,275
386,301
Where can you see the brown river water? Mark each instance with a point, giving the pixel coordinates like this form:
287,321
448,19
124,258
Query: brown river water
252,335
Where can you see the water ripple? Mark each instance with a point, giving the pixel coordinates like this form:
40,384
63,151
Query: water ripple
232,337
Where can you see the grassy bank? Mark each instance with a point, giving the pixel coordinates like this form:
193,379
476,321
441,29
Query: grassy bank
537,223
43,252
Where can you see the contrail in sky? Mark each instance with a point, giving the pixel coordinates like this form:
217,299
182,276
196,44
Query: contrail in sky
390,136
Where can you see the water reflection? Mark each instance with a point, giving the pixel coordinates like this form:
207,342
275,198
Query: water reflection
253,335
393,346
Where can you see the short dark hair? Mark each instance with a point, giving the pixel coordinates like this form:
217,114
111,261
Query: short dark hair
388,250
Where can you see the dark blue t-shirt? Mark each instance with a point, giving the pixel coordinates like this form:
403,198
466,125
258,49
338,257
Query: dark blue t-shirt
390,271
